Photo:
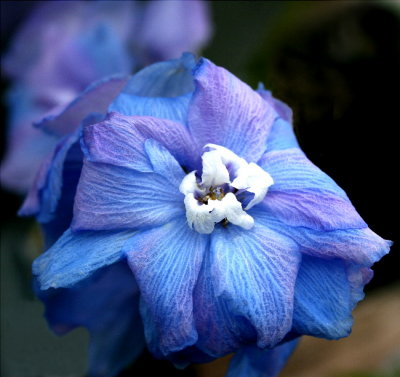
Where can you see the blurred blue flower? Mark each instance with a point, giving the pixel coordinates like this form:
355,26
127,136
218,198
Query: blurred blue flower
235,240
63,47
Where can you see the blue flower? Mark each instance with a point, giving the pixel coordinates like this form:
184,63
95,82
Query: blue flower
62,48
235,240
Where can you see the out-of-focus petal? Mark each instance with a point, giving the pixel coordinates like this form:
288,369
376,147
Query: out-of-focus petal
252,361
27,147
227,112
76,255
111,315
118,197
95,99
64,47
166,262
170,28
302,195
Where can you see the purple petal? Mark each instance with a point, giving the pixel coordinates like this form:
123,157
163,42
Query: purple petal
227,112
26,150
118,197
252,361
119,140
166,262
58,52
360,246
253,272
170,28
302,195
283,110
95,99
111,315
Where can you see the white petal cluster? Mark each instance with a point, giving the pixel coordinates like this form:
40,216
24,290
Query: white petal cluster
222,167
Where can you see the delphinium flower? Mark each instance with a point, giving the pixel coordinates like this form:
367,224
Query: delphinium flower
65,46
235,241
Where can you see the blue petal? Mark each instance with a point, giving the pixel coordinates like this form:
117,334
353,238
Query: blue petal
360,246
253,272
166,262
44,195
174,109
119,140
323,302
107,304
115,197
95,99
51,197
281,136
76,255
162,90
302,195
171,78
222,103
283,110
252,361
220,330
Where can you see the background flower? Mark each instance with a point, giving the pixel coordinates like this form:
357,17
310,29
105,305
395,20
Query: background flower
64,47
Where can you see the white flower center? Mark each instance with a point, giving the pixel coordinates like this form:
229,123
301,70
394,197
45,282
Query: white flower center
229,187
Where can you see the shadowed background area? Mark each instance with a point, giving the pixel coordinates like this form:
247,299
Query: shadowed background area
336,64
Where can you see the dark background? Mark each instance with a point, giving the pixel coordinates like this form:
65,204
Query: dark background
335,63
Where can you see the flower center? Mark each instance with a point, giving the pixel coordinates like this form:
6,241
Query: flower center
229,186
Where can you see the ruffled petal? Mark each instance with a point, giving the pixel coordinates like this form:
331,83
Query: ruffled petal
222,103
111,315
119,140
172,78
283,110
302,195
118,197
324,297
172,27
76,255
253,272
334,269
95,99
252,361
161,90
166,262
220,330
360,246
